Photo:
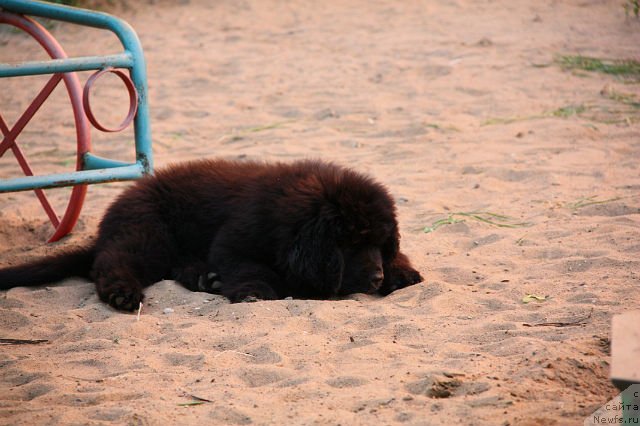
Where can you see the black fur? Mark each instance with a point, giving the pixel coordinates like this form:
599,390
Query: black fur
246,230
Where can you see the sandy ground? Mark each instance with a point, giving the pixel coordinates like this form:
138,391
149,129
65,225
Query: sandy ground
458,107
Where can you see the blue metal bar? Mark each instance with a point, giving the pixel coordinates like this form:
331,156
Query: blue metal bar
53,66
94,162
133,171
90,18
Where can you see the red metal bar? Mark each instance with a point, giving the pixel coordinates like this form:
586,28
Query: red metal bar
26,169
133,100
10,136
74,88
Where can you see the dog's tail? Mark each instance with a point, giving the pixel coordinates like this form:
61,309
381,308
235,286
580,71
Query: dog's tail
73,263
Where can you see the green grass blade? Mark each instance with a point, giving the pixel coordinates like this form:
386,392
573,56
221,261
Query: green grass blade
627,68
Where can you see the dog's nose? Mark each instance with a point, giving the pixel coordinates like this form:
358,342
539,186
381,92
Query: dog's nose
376,279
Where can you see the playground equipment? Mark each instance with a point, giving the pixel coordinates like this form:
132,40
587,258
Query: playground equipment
625,368
89,167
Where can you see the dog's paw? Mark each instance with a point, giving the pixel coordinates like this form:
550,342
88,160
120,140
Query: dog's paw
209,282
125,299
195,277
409,277
249,292
398,278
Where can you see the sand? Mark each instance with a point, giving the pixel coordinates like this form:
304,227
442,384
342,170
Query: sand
457,106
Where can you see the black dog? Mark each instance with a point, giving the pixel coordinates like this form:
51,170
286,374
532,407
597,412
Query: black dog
246,230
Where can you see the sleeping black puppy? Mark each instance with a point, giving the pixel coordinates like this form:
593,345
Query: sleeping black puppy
246,230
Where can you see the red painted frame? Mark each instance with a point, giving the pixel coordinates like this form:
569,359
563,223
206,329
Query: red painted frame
64,225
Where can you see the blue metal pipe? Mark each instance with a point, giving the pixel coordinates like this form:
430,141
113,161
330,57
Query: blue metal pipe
85,17
133,171
94,162
53,66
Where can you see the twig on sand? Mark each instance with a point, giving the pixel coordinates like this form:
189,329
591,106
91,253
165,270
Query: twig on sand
581,321
83,379
196,401
139,311
235,352
22,341
191,403
198,398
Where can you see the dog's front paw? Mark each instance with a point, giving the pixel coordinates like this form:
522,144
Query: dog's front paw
209,282
408,277
398,278
249,292
195,277
123,297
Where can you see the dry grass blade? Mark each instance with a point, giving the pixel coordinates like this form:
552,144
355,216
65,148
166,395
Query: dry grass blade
567,111
494,219
489,218
623,98
438,223
590,201
581,321
239,134
534,298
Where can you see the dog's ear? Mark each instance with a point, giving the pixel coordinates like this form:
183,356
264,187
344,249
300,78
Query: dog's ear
391,246
315,259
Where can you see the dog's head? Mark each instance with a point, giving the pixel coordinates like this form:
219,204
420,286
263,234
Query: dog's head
363,270
328,268
346,244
